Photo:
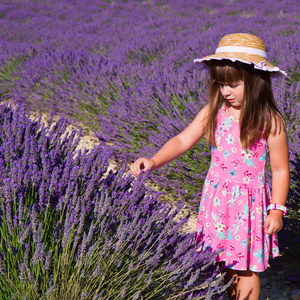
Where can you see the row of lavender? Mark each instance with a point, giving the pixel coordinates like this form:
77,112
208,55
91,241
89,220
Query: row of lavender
70,230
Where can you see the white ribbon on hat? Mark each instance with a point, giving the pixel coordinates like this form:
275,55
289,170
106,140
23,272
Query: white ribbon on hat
239,49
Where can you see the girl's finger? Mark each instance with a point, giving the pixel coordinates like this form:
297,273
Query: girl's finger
134,170
267,224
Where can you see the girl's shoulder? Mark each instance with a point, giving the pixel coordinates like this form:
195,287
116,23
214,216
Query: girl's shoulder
276,124
203,113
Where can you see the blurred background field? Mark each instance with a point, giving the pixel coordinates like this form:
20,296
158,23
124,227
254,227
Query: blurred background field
123,71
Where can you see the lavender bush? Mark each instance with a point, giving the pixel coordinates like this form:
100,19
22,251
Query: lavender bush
124,68
69,229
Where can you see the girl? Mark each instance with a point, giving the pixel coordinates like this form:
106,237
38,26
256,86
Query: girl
242,124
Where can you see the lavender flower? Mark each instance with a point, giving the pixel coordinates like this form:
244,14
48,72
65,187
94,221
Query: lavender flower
47,261
50,290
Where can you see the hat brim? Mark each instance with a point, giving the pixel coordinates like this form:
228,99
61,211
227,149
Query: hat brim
256,60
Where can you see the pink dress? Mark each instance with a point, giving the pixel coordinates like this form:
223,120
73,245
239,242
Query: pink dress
235,196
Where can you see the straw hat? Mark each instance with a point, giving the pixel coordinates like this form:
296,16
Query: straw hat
243,47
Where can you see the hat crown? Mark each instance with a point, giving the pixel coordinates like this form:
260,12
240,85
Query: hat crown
242,40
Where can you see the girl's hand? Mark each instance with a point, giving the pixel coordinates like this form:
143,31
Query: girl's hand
273,222
141,164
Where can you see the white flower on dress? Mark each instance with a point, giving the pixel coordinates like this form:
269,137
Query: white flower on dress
219,226
235,192
230,139
259,210
237,237
233,150
253,268
240,218
247,153
217,201
246,179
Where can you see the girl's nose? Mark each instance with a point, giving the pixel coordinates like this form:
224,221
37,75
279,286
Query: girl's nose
226,90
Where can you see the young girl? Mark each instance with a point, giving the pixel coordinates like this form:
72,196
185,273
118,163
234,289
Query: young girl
242,124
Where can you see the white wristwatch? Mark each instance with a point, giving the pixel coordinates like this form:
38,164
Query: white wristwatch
277,206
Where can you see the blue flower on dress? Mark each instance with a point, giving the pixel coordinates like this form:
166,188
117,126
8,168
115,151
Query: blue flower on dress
233,173
226,153
244,243
230,139
275,251
230,236
263,157
260,255
227,122
215,186
260,178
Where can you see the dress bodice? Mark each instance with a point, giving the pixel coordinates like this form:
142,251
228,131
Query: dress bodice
229,161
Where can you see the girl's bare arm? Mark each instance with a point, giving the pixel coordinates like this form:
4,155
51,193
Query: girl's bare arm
279,159
174,147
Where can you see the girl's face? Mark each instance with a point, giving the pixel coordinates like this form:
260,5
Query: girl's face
233,93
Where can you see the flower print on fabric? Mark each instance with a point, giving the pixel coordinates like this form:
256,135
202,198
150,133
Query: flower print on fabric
217,201
236,163
247,155
236,196
248,177
230,139
233,173
226,153
222,129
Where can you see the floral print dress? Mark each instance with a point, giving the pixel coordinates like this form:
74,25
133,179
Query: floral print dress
235,196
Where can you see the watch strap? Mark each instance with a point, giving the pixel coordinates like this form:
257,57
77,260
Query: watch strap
277,206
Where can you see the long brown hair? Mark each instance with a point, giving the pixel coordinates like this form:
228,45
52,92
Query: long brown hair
259,109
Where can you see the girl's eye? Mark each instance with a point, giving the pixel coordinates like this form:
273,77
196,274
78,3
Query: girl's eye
231,85
235,84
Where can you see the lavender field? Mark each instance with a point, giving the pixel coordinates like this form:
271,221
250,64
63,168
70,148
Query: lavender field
124,70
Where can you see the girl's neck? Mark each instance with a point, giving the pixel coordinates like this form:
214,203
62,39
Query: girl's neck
233,111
